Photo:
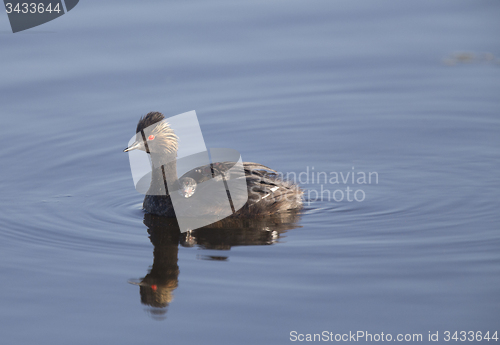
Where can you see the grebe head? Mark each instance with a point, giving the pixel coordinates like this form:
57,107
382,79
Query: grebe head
154,135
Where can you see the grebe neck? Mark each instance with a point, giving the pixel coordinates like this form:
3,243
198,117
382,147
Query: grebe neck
164,173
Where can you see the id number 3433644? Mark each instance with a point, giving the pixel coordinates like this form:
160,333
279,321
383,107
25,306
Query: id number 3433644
31,8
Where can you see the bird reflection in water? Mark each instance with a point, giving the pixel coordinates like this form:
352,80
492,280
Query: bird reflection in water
157,287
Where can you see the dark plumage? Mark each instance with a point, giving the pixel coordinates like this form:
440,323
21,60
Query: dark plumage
267,192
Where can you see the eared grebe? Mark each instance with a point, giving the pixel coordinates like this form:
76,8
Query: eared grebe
268,193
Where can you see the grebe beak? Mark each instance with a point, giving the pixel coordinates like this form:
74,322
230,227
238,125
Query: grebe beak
138,145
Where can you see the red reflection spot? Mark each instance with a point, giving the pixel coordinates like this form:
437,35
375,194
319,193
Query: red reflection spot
153,287
151,137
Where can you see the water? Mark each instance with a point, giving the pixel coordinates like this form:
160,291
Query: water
340,87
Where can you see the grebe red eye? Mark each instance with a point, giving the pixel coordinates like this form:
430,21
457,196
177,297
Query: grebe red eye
151,137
